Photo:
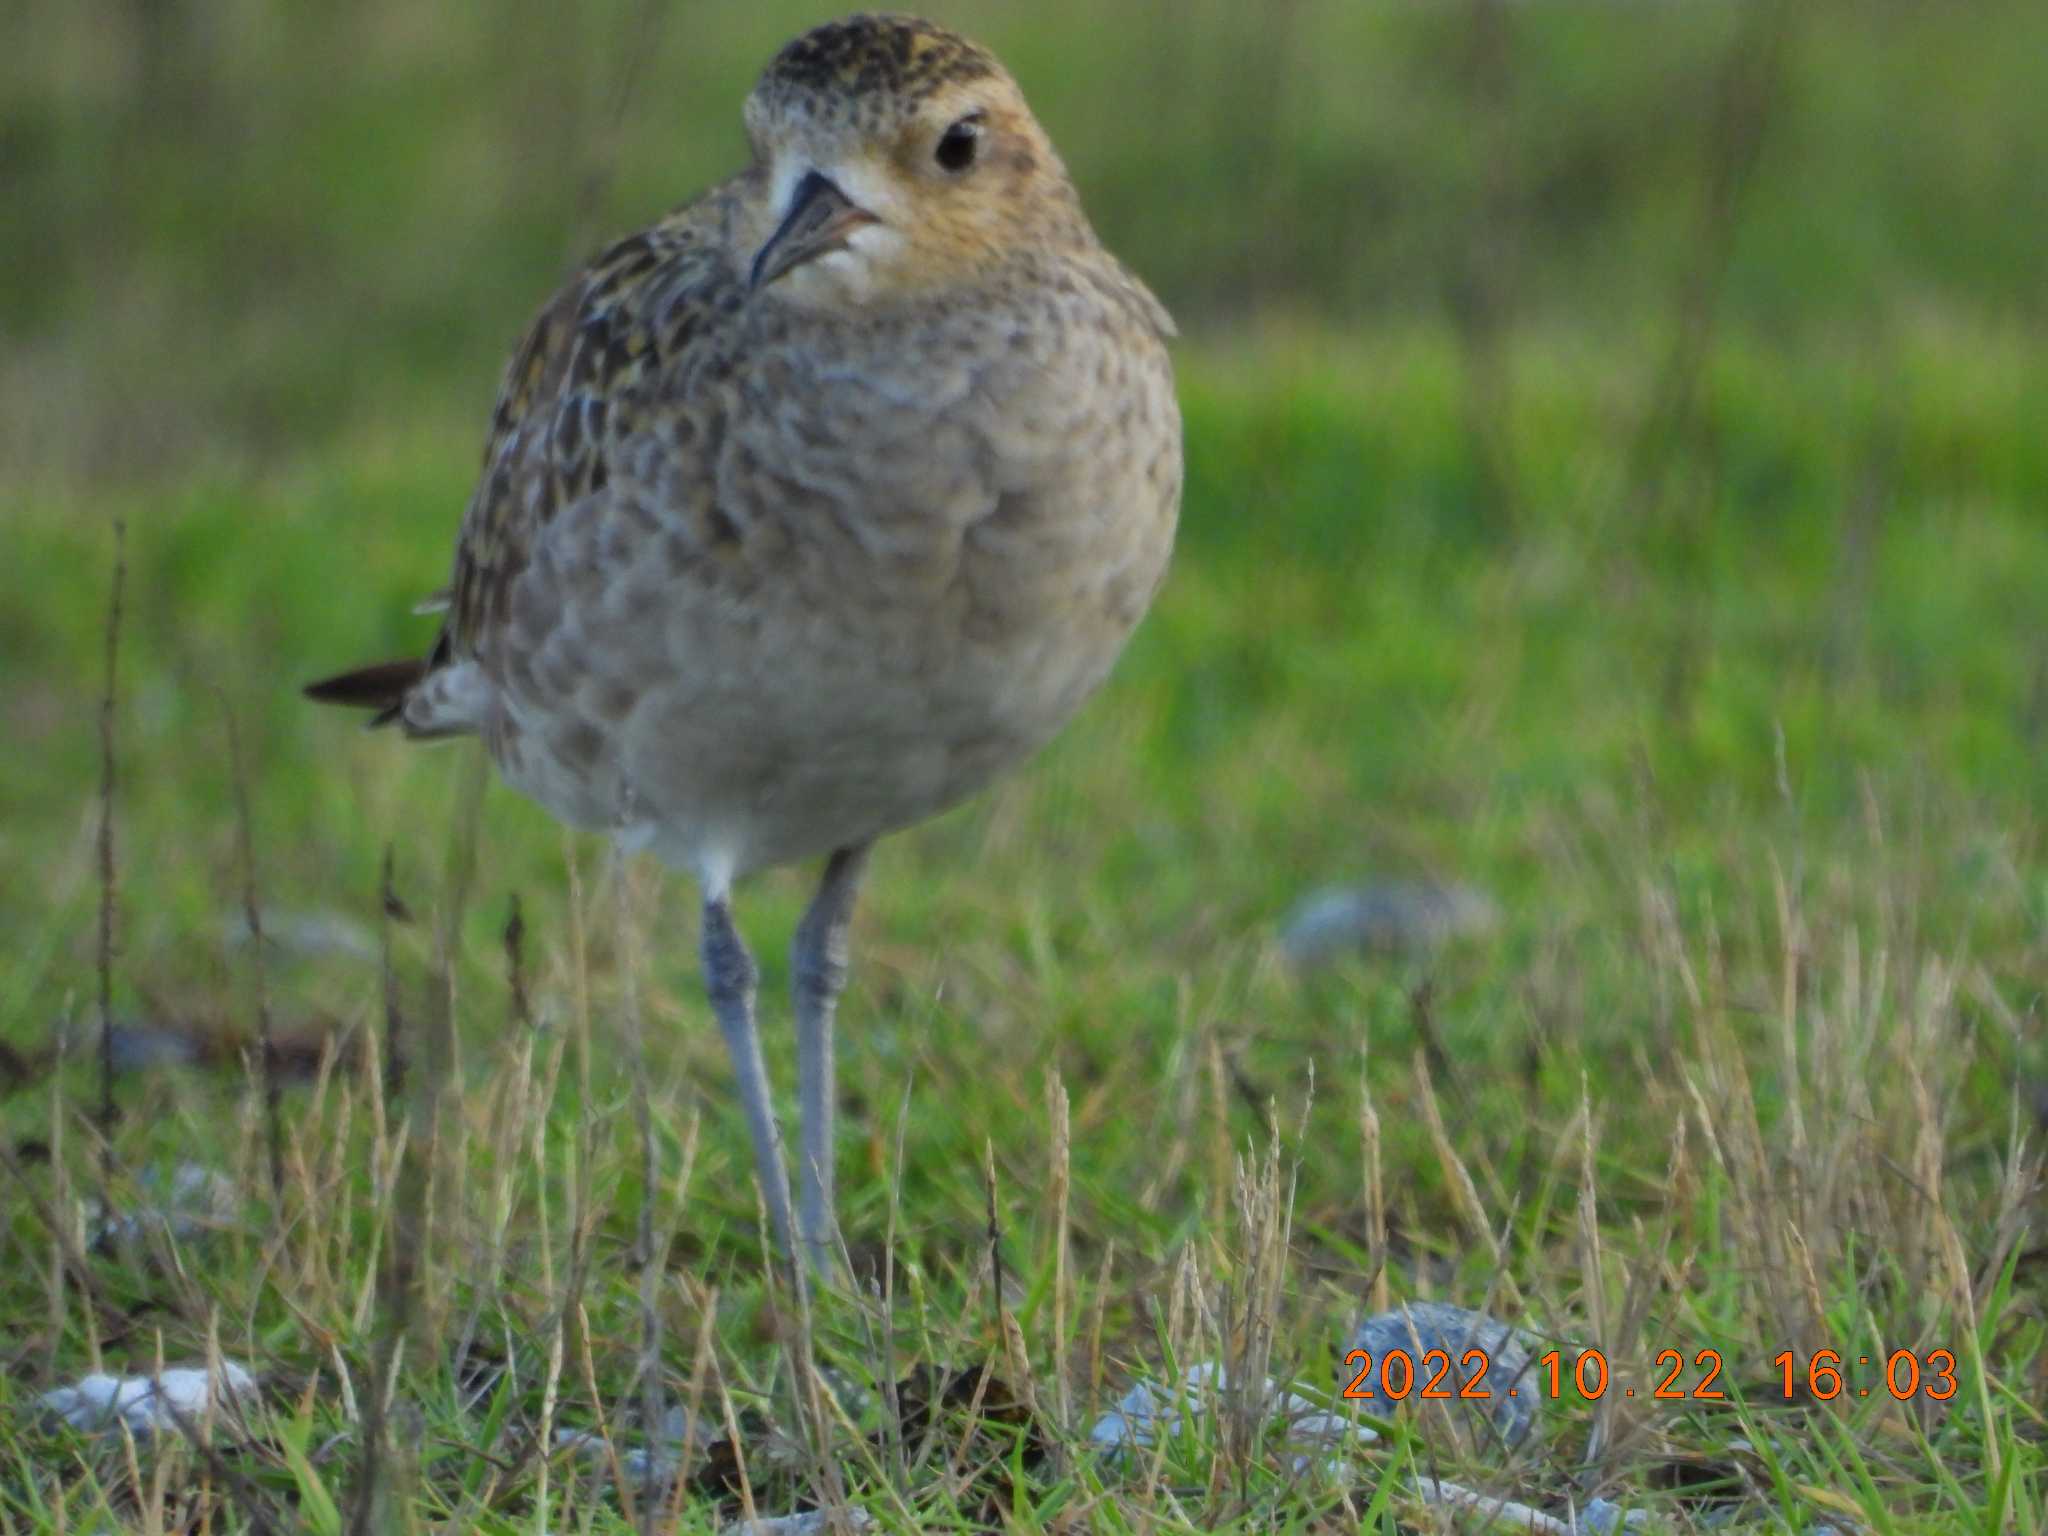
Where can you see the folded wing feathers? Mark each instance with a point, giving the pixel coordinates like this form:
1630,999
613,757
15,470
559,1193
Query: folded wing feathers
381,687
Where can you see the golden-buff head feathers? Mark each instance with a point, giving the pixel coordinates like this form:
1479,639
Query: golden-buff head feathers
896,159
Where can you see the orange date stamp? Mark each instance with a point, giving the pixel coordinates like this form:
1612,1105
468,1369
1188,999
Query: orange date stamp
1826,1374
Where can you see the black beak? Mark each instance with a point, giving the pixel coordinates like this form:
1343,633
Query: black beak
819,220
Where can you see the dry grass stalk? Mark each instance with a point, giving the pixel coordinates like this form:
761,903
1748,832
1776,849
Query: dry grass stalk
1059,1113
1095,1360
749,1512
107,870
1265,1211
1375,1189
892,1405
1464,1193
1593,1270
647,1367
397,1288
551,1370
252,917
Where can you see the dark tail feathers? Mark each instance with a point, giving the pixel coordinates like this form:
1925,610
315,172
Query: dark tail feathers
382,687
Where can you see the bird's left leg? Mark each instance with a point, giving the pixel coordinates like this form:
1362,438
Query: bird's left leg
729,977
817,970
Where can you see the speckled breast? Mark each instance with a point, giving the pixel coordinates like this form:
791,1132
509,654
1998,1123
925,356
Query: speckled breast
843,574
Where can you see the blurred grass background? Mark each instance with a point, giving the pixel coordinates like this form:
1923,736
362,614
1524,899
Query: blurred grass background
1618,478
1634,405
315,216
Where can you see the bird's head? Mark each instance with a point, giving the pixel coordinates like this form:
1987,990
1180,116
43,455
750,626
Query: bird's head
897,159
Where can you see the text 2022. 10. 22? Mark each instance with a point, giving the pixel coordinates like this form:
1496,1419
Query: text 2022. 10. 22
1396,1375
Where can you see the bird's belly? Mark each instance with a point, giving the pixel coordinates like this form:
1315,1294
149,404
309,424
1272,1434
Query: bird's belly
766,654
789,721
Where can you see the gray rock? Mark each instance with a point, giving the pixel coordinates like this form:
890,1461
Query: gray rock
1151,1411
655,1469
1417,1327
1384,917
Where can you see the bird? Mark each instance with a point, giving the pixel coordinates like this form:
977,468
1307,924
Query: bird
809,511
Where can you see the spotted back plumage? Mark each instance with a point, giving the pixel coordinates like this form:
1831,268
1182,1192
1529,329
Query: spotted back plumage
590,363
581,381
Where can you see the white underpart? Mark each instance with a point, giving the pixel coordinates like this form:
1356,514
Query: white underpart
707,856
848,276
452,700
706,853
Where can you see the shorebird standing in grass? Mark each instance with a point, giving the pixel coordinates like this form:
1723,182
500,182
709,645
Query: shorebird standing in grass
810,510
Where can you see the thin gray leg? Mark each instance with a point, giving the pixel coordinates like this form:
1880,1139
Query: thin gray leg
817,972
729,977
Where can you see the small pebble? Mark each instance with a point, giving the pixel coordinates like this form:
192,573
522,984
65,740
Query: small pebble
1603,1517
1389,917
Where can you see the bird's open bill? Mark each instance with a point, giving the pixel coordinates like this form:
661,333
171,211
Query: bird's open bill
820,219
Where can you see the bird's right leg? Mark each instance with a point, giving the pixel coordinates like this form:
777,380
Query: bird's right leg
729,979
817,969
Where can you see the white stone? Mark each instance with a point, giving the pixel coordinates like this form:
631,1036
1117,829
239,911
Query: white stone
147,1404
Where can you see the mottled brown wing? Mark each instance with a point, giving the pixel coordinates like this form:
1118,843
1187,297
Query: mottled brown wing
590,368
578,384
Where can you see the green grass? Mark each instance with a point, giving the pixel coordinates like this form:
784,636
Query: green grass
1738,711
1766,989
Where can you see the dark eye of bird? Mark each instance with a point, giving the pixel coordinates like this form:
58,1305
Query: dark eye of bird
958,144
